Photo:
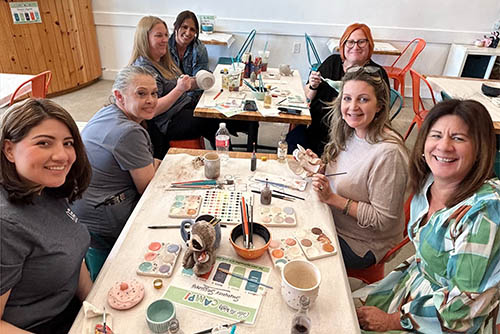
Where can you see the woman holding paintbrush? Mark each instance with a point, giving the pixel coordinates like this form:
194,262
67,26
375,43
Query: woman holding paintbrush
367,202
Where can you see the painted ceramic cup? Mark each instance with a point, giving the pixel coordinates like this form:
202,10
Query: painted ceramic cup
188,223
204,79
159,314
212,165
299,278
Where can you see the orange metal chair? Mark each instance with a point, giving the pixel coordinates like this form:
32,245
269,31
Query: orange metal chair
39,86
375,272
197,143
418,106
398,73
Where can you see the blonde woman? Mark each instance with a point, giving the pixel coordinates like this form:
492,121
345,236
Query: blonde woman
367,202
174,118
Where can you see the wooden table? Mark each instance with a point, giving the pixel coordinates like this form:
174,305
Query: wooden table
206,105
380,48
333,311
9,83
468,88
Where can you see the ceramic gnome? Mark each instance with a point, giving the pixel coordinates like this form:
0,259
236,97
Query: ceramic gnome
200,254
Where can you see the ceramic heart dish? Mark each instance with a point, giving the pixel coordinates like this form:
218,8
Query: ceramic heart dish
303,164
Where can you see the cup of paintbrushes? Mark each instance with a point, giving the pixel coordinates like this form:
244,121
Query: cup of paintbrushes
259,93
261,240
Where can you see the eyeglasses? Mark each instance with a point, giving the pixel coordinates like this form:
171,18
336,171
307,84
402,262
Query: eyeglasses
351,42
367,69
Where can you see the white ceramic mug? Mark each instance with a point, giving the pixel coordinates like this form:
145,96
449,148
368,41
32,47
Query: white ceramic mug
212,165
299,278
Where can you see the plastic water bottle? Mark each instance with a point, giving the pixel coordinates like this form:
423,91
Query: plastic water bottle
222,138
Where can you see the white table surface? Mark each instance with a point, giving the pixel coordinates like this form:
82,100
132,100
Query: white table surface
333,311
464,88
9,83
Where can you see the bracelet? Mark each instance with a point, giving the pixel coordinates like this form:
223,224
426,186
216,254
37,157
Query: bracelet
345,211
312,88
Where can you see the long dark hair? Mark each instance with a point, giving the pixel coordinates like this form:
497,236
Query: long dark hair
482,135
184,16
16,124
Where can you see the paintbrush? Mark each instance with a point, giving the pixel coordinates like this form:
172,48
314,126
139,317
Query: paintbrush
277,184
246,241
196,182
333,174
287,194
283,197
244,278
251,221
249,85
104,319
156,227
209,330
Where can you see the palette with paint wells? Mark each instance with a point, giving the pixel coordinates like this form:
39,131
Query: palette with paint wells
185,206
276,216
223,204
159,259
284,250
315,243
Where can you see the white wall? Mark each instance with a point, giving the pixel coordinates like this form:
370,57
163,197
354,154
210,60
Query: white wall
283,22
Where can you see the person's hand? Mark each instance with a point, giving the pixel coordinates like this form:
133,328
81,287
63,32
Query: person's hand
314,79
321,186
183,83
374,319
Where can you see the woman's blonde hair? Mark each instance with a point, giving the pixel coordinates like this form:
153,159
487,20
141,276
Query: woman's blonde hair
378,130
166,65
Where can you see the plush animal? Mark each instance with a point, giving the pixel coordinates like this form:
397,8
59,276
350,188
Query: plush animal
200,254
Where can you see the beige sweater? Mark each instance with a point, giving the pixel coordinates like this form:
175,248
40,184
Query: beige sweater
376,178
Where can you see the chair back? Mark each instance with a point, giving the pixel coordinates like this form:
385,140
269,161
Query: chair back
395,96
39,86
310,45
419,47
416,79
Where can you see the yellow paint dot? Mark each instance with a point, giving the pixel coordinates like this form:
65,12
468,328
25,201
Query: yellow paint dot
263,158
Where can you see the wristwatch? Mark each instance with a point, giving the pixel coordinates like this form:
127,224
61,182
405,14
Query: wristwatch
312,88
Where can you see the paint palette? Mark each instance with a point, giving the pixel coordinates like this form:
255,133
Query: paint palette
276,216
159,259
315,243
223,204
284,250
185,206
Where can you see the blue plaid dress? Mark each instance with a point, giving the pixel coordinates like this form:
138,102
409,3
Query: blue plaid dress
451,284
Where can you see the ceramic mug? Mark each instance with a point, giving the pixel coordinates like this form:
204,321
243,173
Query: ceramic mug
159,314
299,278
205,79
212,165
188,223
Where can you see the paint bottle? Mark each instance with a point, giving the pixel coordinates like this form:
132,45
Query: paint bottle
266,195
301,323
253,160
268,100
282,149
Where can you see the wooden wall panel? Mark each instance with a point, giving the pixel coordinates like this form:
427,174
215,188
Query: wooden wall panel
65,43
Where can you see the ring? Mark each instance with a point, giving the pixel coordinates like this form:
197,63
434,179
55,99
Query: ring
320,187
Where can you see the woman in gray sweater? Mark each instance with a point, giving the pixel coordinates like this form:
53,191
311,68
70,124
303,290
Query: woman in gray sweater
367,202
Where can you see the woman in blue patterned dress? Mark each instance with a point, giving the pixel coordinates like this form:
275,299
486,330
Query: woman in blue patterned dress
451,283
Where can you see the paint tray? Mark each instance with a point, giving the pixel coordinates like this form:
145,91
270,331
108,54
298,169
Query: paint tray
159,259
315,243
185,206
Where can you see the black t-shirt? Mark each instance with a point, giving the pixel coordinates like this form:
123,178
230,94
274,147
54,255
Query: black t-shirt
331,68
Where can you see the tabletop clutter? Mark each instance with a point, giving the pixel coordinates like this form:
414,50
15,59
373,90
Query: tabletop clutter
209,205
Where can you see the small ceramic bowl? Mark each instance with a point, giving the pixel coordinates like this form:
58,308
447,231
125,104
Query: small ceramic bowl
253,253
259,95
491,91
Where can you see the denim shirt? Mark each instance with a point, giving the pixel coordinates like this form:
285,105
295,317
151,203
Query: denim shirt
195,58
